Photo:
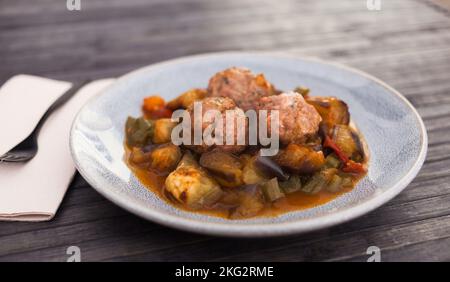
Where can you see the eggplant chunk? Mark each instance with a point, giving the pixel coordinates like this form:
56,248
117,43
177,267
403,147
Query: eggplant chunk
251,201
165,158
186,99
300,159
163,130
188,160
332,111
138,156
191,185
270,168
251,174
348,141
225,167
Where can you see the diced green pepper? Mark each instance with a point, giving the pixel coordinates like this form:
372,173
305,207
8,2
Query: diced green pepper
293,184
332,161
315,184
304,91
138,131
319,181
271,190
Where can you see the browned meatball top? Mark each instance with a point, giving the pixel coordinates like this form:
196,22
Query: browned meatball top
297,119
221,104
241,85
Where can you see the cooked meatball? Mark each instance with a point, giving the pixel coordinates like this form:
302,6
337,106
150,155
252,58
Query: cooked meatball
241,85
221,104
298,119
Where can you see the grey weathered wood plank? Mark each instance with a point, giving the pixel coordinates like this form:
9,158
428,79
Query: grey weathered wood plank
406,213
428,251
317,246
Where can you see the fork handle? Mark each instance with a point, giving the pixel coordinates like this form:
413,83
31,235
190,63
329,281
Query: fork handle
59,102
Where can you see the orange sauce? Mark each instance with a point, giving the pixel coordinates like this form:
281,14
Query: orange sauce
292,202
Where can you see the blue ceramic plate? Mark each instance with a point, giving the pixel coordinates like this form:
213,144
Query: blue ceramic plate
394,133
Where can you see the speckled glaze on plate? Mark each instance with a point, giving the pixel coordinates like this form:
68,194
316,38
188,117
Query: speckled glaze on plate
394,132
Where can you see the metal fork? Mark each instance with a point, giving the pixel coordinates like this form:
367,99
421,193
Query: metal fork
27,149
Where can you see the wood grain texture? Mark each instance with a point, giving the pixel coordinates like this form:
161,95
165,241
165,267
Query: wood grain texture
406,44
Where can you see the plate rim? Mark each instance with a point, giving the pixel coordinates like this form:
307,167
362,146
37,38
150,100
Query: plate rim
227,229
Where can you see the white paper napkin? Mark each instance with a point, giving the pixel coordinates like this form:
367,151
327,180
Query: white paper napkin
33,191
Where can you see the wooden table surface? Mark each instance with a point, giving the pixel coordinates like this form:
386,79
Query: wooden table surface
406,44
